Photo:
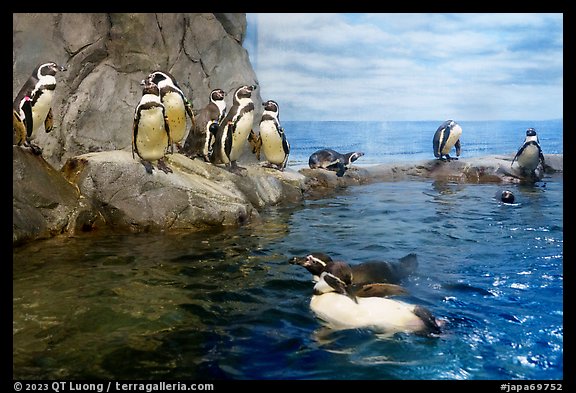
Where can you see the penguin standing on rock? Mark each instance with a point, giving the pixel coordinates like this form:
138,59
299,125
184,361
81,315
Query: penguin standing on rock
235,128
151,129
529,156
446,137
37,93
274,143
202,134
176,105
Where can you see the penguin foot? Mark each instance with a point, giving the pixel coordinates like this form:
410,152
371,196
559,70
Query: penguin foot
37,150
163,167
235,168
148,165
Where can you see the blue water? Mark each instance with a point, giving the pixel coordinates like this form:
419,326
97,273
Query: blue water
394,141
226,304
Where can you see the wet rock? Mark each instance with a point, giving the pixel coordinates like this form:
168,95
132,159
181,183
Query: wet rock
195,196
44,204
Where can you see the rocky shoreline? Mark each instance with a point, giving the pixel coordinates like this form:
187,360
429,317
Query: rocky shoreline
111,190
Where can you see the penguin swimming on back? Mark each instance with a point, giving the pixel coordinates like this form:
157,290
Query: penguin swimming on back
333,303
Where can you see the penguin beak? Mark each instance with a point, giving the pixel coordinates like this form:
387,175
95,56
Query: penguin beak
298,261
62,68
143,82
253,87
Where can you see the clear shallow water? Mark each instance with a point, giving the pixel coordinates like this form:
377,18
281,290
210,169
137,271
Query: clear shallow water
227,305
384,142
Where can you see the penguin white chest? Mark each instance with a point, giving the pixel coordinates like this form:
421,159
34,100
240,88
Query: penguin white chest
176,113
455,134
272,142
379,314
40,110
151,138
530,157
240,135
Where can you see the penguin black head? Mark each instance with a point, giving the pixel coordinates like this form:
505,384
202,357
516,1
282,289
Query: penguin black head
50,68
336,278
530,132
158,76
271,106
315,262
244,91
217,95
150,87
507,196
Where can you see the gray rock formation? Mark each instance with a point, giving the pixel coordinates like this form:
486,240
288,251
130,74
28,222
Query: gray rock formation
107,56
44,204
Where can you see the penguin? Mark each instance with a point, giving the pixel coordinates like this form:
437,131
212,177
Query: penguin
201,136
274,143
233,132
529,156
340,309
39,91
333,161
151,129
20,129
446,137
176,105
369,272
507,196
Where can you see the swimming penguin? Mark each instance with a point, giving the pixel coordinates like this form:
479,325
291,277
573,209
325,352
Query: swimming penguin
364,273
201,136
274,143
233,132
446,137
39,90
176,105
529,156
151,130
334,304
506,196
332,160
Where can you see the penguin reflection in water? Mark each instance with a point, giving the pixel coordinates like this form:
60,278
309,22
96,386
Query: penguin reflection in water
446,137
151,130
529,156
333,303
33,105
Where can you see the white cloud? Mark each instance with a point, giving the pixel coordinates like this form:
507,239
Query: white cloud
409,66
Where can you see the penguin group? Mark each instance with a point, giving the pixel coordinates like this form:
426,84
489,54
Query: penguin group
217,134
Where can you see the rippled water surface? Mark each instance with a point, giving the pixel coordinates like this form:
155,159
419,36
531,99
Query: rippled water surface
228,305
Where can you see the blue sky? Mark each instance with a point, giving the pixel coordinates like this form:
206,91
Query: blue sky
409,66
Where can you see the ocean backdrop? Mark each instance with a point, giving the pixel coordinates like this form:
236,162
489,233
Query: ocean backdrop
394,141
225,304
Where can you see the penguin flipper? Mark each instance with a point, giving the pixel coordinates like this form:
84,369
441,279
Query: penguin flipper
517,154
458,147
380,290
49,122
28,119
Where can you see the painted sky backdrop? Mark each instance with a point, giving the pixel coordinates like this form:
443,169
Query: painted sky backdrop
409,66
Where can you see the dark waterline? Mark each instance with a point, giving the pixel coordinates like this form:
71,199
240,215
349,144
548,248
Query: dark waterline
226,304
